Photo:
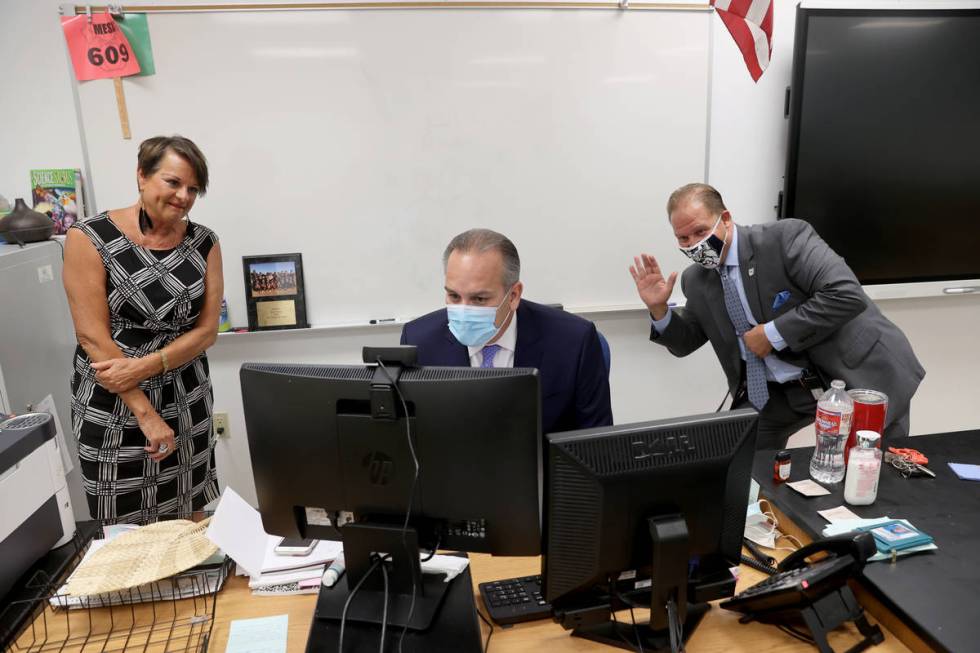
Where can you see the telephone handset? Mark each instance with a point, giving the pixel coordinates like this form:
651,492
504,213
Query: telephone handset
859,547
816,593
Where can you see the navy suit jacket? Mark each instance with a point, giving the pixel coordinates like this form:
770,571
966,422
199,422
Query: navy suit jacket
563,347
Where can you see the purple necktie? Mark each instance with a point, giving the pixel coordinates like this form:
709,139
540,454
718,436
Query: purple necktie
488,353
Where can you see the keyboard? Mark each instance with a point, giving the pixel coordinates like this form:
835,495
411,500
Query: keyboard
514,600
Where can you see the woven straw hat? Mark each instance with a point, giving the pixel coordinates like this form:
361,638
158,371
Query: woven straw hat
141,556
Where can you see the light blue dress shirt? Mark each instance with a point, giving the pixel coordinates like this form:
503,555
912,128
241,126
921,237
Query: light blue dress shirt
777,370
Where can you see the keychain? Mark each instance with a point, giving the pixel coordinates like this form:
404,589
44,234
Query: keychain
908,461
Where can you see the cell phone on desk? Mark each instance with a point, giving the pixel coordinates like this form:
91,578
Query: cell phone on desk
295,546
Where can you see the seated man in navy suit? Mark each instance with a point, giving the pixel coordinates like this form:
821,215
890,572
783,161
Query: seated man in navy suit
486,324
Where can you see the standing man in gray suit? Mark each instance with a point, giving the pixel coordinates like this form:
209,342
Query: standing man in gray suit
783,312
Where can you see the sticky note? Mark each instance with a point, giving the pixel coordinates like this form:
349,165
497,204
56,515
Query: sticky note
262,635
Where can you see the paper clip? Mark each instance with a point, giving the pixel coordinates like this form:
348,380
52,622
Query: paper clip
624,4
88,12
114,9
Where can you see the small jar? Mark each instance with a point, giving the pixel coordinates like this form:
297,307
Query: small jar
863,470
781,467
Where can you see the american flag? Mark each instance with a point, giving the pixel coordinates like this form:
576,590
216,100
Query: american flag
750,24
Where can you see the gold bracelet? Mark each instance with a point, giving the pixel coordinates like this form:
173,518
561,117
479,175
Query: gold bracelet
163,359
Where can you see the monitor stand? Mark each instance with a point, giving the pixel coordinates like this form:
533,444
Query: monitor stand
444,615
668,628
405,578
622,634
455,627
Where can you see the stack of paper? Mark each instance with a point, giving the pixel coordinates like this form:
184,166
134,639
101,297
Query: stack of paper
281,574
236,527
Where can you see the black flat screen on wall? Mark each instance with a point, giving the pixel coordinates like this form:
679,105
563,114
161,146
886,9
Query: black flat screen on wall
884,142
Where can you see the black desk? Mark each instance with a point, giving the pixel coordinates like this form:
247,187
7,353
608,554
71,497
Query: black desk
936,594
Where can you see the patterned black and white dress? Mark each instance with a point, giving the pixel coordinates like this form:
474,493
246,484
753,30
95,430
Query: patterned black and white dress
154,296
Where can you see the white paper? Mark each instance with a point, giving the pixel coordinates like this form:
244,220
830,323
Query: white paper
284,577
236,528
46,405
809,488
452,566
840,513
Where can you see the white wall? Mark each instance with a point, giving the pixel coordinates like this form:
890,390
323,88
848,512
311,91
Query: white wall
747,146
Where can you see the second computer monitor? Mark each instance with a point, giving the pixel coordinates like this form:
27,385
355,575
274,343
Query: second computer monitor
656,505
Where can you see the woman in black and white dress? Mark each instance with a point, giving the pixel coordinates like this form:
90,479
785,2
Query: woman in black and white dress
144,286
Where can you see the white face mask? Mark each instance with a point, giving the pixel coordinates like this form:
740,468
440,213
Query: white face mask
760,527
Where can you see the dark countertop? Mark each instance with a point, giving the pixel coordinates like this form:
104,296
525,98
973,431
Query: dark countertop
936,593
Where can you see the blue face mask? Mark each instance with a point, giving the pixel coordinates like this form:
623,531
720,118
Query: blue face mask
474,326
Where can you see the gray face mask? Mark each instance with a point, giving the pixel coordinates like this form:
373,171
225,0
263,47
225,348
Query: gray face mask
707,253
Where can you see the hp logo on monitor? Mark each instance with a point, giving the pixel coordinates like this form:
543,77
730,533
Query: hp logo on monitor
379,467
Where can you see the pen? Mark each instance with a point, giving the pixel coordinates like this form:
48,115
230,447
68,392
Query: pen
381,320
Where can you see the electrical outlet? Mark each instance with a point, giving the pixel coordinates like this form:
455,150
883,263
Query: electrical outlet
219,421
45,274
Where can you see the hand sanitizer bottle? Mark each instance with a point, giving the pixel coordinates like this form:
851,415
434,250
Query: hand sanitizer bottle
863,469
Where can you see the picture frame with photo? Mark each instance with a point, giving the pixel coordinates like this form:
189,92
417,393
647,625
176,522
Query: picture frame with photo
274,292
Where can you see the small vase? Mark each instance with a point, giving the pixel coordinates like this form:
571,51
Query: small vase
24,225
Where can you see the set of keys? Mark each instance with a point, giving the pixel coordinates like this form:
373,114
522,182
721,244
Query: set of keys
910,462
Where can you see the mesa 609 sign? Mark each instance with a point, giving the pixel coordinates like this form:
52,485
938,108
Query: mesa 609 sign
98,48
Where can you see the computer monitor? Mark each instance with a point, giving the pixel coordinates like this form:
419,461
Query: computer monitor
648,514
332,459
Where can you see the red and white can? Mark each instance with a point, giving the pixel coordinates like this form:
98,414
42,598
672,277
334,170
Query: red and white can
870,408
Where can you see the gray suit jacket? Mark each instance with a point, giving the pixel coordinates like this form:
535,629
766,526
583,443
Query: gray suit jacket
828,322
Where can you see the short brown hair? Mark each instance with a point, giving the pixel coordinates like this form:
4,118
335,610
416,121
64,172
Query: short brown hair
153,149
709,197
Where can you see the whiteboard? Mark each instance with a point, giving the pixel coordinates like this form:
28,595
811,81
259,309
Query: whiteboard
365,140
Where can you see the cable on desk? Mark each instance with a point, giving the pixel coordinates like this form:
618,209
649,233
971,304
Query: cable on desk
631,605
674,628
486,645
757,553
350,597
411,499
759,566
384,612
432,553
723,400
793,632
619,632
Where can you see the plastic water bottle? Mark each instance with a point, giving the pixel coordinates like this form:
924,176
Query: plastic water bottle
833,424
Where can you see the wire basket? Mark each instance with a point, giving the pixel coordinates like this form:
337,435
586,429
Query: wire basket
171,615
